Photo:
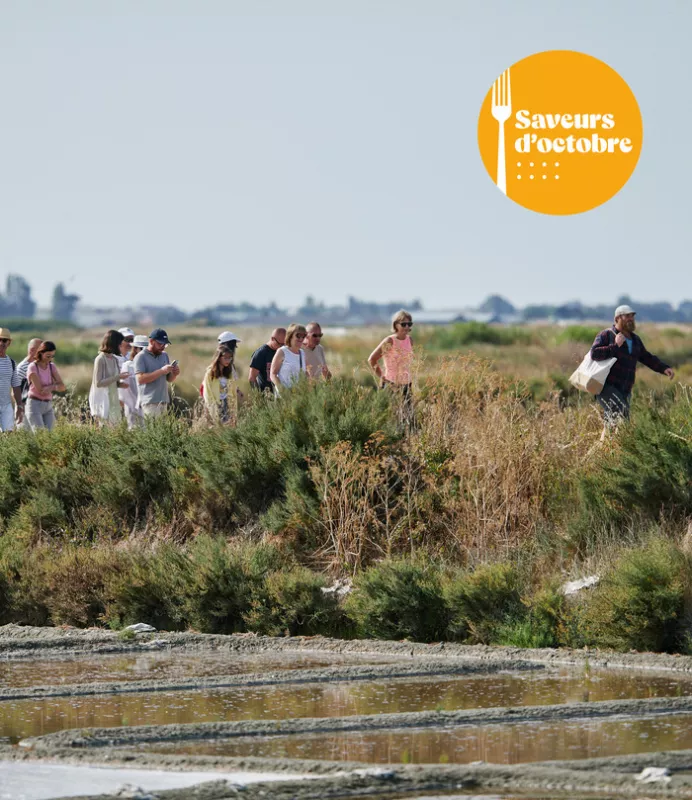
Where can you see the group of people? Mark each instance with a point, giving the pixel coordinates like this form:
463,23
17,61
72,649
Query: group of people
294,352
132,372
31,384
131,377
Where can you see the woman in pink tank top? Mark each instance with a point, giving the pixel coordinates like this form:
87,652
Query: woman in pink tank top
396,352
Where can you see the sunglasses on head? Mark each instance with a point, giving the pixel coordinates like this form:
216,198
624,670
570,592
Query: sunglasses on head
406,324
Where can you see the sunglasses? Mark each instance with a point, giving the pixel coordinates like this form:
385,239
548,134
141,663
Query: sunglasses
5,341
129,339
317,335
300,335
406,324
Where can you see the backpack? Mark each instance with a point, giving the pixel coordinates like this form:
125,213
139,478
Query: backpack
24,385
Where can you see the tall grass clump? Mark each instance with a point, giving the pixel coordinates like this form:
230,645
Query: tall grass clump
500,469
398,599
367,504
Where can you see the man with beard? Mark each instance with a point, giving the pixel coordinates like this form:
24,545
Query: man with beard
622,342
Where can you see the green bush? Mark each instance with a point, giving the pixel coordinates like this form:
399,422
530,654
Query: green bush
640,603
75,584
648,475
149,588
398,599
480,602
463,334
37,327
23,570
582,334
225,582
5,599
249,470
292,603
543,625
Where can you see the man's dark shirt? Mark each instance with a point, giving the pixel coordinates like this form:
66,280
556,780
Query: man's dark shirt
262,361
621,374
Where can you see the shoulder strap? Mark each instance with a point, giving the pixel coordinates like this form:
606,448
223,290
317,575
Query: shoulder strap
14,364
300,355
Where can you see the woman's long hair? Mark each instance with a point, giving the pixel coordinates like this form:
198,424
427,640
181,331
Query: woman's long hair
217,369
46,347
111,343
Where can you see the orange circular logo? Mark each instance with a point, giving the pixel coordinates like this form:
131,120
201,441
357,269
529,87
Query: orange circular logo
560,132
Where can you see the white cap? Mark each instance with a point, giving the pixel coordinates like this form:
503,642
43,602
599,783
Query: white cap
228,336
126,331
622,310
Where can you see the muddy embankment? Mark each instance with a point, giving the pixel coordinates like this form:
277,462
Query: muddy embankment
17,642
615,776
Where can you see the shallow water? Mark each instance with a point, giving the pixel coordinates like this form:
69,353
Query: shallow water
35,717
501,744
165,665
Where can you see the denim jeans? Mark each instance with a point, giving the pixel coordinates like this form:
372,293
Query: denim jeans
40,414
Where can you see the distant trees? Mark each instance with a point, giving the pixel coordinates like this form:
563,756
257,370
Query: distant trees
497,306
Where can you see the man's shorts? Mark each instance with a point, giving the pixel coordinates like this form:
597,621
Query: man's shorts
7,418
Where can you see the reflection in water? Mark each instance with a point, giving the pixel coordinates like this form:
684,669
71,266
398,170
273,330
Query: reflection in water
500,744
164,666
35,717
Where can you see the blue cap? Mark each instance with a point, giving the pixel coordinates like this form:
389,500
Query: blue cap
159,335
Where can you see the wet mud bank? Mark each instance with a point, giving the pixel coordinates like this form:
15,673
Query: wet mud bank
400,782
285,677
19,642
616,777
130,745
147,734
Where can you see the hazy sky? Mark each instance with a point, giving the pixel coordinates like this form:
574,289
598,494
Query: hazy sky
202,152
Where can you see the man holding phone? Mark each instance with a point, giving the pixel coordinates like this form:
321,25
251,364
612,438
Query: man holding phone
154,372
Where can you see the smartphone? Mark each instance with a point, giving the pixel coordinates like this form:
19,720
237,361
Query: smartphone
174,363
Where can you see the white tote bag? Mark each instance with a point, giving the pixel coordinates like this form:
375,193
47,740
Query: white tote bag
590,376
98,402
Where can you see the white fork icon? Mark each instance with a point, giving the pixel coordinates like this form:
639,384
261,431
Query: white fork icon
501,111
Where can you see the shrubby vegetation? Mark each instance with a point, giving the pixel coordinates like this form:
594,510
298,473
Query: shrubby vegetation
463,528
